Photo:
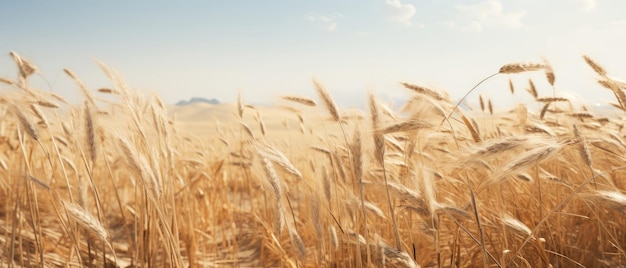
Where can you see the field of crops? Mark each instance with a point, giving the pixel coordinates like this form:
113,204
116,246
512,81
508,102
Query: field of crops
122,180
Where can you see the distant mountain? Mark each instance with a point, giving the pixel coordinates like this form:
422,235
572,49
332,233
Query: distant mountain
197,100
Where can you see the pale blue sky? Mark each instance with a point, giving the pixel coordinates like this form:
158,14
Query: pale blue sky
266,49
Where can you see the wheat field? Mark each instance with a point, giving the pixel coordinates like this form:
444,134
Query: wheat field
119,179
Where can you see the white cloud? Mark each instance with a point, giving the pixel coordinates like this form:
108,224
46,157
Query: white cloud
402,13
449,23
489,13
585,5
331,27
476,26
329,22
319,18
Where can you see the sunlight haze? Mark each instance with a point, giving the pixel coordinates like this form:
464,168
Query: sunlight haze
214,49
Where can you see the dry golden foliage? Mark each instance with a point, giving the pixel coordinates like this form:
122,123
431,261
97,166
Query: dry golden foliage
506,190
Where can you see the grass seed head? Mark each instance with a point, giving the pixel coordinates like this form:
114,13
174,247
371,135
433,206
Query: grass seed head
327,100
26,68
595,66
518,67
516,225
302,100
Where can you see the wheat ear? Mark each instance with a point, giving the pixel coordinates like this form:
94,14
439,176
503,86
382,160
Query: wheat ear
301,100
81,85
327,100
595,66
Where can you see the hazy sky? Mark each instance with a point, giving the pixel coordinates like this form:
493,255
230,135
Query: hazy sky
182,49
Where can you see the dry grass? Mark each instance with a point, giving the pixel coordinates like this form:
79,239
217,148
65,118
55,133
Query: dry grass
118,182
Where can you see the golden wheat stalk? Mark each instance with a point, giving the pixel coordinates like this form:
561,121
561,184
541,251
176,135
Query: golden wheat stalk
299,244
494,147
3,164
516,225
58,97
39,183
81,85
7,81
26,124
327,100
275,183
26,68
474,131
90,133
315,215
379,140
544,109
583,148
108,91
532,89
549,72
541,152
520,67
595,66
481,102
424,90
39,115
551,99
279,158
87,221
248,130
613,196
240,106
618,90
407,125
301,100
